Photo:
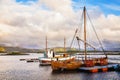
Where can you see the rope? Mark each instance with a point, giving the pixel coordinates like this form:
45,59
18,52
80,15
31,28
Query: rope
76,31
96,34
73,37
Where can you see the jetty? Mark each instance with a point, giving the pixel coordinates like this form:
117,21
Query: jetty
94,69
30,60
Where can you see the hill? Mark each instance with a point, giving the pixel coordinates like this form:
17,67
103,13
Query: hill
20,49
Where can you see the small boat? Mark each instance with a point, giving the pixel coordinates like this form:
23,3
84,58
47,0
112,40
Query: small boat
49,55
44,61
66,64
32,60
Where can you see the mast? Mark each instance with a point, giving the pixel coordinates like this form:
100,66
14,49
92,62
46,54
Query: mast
85,53
64,44
46,45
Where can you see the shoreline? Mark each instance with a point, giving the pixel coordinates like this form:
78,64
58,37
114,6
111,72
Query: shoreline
13,54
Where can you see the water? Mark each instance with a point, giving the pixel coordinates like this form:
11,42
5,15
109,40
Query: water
13,69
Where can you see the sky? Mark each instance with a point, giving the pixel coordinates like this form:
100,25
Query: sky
26,23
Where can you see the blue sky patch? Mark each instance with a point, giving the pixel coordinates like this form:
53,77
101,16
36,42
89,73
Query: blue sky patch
26,1
107,6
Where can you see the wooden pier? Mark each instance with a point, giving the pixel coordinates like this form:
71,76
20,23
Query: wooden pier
30,60
109,67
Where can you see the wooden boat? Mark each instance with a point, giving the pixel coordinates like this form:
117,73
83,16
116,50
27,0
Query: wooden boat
69,64
93,61
85,62
94,64
49,55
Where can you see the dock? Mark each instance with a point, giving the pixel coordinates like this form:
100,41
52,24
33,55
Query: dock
109,67
30,60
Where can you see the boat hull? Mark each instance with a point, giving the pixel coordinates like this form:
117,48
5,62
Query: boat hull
47,61
70,64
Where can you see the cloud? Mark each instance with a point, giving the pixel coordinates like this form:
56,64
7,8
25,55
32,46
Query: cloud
112,7
27,25
109,27
64,6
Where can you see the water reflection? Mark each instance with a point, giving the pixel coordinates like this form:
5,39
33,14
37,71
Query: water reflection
13,69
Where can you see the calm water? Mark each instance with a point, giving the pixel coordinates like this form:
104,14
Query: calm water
13,69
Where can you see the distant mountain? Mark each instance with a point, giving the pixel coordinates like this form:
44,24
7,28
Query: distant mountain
20,49
56,49
113,49
111,45
61,49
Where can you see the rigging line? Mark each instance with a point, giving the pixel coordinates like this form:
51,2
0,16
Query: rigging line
81,24
96,34
73,37
79,46
80,21
78,43
76,32
80,29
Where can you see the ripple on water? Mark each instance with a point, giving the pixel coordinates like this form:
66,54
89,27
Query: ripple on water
13,69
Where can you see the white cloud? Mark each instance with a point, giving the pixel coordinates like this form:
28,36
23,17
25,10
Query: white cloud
112,7
109,27
27,25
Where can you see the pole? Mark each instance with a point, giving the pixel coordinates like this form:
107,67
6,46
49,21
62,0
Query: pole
64,44
85,53
46,45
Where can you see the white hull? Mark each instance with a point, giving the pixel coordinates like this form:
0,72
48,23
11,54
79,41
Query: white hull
45,61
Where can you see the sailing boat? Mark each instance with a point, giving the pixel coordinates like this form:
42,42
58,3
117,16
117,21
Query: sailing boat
93,61
76,64
50,55
94,64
